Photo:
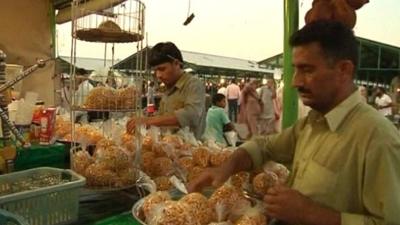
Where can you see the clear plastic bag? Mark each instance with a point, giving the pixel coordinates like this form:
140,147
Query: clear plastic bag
231,137
198,205
263,181
171,213
188,137
252,216
280,170
151,201
226,197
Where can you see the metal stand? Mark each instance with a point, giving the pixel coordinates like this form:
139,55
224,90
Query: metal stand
7,126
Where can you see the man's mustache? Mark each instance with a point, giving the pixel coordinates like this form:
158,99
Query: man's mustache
303,90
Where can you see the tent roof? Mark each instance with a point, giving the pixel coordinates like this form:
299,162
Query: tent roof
378,62
60,4
204,63
367,55
88,63
209,60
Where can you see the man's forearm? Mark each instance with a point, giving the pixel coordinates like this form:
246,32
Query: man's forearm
228,127
387,106
318,214
170,120
240,160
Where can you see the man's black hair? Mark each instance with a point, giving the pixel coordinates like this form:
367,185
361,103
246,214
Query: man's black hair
164,52
335,39
217,98
81,71
381,89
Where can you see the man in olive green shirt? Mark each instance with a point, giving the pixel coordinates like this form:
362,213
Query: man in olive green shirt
345,156
183,104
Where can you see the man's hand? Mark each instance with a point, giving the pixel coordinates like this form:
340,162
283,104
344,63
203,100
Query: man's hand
289,205
286,204
133,122
212,176
240,160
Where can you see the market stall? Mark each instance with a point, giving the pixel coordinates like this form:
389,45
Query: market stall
117,177
108,166
43,194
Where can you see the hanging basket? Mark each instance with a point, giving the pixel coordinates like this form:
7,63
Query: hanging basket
107,36
121,23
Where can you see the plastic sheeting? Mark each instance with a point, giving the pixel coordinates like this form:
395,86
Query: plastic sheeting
26,36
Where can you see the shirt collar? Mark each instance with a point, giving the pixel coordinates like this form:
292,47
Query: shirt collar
336,116
180,83
182,80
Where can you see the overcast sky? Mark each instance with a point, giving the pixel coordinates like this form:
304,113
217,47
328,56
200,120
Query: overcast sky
248,29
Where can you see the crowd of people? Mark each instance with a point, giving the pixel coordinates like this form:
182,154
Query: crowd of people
256,105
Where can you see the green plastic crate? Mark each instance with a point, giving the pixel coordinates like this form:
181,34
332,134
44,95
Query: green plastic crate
55,155
58,204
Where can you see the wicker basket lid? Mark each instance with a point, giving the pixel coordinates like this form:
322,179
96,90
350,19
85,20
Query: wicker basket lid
108,32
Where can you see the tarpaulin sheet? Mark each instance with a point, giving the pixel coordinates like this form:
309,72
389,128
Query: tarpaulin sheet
26,36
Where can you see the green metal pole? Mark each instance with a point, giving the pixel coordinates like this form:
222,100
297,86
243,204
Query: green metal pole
290,99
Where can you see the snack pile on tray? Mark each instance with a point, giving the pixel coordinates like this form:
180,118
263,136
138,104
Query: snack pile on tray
226,206
162,157
63,127
86,133
110,165
107,98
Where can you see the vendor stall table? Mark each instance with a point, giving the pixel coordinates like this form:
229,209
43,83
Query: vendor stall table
55,155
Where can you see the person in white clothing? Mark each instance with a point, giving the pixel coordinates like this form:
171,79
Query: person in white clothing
383,102
82,88
302,109
267,117
233,94
223,90
363,92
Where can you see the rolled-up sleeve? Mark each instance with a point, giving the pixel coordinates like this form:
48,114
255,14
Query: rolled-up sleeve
277,147
356,219
381,181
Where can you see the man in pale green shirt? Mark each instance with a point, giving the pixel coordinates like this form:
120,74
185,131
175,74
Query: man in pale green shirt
217,121
345,156
183,104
